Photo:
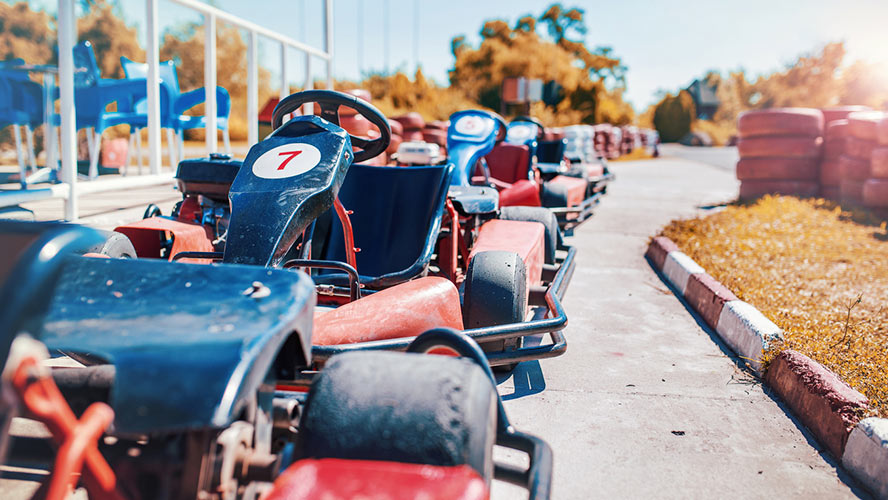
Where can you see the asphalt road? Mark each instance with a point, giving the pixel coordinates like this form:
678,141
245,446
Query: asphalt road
646,402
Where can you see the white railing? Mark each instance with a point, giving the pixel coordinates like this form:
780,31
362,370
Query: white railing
68,188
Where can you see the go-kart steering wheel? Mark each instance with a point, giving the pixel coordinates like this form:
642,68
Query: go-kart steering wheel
330,100
541,130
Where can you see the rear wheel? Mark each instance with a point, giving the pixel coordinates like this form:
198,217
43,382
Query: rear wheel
496,294
411,408
116,246
542,215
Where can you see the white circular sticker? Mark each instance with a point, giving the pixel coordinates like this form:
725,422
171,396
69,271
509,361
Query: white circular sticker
473,125
521,132
287,160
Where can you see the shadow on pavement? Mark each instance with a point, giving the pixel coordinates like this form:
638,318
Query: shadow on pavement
527,378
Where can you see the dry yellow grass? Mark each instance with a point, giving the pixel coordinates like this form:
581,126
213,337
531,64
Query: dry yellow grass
818,272
636,154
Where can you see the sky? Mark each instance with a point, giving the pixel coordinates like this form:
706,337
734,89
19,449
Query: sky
665,45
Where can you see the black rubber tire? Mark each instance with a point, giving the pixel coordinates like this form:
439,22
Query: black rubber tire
495,294
412,408
545,217
116,246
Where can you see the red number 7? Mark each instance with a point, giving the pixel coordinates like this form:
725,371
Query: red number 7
290,155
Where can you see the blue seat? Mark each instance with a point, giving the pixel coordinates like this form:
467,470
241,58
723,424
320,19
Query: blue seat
21,106
177,122
92,95
396,220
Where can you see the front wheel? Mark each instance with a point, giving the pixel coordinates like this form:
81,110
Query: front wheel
495,293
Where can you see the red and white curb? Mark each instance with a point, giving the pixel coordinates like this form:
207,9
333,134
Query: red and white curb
822,401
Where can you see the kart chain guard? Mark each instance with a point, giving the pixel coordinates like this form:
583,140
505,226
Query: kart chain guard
285,183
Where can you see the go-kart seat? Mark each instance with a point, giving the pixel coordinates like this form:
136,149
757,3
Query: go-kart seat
210,177
551,151
509,162
396,217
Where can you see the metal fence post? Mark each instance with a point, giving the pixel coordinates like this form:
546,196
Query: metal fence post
152,56
308,108
328,42
252,91
66,34
210,80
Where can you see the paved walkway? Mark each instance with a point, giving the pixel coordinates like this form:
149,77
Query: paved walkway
646,403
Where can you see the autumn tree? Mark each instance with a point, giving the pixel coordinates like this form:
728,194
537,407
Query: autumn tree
558,54
673,116
26,34
104,27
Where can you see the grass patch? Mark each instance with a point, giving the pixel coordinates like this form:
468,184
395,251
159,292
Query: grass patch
636,154
819,272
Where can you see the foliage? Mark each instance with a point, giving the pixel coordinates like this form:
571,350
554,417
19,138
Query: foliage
185,46
673,116
110,37
26,34
396,94
805,264
521,51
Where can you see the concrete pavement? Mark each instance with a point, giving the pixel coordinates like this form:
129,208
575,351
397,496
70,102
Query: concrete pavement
647,403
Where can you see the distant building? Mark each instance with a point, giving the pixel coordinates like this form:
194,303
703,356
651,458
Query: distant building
705,99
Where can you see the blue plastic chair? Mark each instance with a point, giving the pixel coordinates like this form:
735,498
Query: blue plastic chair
178,122
92,94
21,106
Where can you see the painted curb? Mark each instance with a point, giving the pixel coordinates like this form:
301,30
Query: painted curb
747,331
658,249
866,454
708,297
828,407
678,268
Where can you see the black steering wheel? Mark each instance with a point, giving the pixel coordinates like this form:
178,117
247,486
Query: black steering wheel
541,130
330,100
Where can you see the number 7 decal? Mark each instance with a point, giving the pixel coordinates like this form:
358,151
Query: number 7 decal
290,155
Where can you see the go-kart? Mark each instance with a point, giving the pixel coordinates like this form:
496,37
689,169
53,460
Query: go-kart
570,186
193,398
387,247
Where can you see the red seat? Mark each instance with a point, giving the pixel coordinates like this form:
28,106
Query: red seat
405,310
524,193
527,239
329,479
509,162
576,188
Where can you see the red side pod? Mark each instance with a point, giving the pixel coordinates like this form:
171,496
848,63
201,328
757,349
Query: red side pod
527,239
329,479
187,237
524,193
405,310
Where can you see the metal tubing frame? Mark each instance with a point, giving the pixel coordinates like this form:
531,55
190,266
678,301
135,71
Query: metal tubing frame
68,131
552,325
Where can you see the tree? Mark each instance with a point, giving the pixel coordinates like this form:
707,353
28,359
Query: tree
26,34
674,115
560,56
111,38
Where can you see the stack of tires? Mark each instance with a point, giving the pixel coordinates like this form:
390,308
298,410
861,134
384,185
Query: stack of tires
435,132
412,124
854,164
780,152
830,166
875,189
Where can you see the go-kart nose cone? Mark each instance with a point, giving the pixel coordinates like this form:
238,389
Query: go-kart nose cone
474,126
287,160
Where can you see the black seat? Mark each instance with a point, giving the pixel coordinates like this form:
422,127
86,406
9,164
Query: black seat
396,220
210,177
551,151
